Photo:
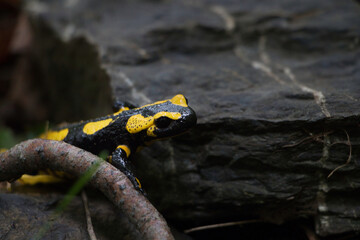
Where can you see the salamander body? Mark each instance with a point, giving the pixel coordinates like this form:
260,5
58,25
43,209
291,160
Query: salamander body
129,128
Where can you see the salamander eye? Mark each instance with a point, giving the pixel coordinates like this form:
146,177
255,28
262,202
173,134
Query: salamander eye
162,122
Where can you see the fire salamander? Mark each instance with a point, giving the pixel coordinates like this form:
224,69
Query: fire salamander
124,131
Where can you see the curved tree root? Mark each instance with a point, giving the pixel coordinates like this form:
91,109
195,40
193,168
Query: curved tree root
33,155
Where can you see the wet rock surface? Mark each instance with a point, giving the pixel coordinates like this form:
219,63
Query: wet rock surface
276,86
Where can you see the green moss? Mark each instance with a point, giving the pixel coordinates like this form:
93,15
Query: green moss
7,138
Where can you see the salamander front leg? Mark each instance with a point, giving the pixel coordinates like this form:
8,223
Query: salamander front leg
119,159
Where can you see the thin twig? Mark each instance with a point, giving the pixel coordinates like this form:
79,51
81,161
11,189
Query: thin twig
298,143
219,225
315,137
89,224
339,142
349,158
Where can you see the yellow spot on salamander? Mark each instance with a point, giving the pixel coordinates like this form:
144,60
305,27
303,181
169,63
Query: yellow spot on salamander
137,180
3,150
55,135
150,131
93,127
32,180
179,100
171,115
121,110
125,148
138,123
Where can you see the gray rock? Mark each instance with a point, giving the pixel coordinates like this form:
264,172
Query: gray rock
275,84
33,215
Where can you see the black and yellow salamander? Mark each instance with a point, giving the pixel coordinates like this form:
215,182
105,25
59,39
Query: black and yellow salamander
129,128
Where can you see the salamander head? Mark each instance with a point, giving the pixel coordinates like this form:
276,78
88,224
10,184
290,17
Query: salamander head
162,119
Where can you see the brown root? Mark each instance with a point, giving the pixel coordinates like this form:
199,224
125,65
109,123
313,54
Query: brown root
33,155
